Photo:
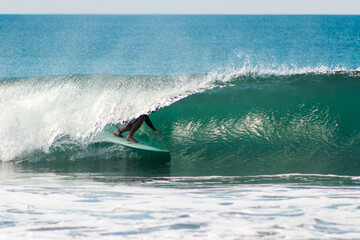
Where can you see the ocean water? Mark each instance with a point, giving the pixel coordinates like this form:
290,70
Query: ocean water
260,115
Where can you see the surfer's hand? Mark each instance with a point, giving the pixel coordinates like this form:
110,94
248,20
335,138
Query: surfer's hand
157,132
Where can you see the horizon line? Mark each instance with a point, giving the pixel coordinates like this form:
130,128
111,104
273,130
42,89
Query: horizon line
199,14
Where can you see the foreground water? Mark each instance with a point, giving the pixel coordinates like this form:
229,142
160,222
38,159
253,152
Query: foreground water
260,115
82,206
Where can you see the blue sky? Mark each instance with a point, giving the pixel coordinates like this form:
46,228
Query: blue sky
181,6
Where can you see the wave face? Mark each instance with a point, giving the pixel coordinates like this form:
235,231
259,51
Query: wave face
306,123
228,124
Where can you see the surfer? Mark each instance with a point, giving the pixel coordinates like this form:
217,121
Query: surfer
133,126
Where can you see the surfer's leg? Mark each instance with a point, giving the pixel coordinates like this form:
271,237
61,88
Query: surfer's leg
119,132
134,128
127,128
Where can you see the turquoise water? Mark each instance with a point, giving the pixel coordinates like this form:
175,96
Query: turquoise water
260,115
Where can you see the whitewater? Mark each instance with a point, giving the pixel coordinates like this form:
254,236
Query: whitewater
260,115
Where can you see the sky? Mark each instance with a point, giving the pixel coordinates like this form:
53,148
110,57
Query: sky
180,7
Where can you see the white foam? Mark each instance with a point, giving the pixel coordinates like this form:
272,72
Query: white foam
143,209
36,110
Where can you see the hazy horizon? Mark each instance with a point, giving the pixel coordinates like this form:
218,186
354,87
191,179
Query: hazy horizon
184,7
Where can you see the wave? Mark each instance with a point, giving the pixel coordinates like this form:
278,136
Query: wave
252,122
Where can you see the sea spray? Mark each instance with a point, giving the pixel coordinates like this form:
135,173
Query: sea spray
36,110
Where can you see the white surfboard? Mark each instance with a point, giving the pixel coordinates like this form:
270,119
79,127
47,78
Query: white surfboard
143,146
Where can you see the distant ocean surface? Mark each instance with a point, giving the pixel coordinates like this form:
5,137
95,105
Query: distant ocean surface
260,114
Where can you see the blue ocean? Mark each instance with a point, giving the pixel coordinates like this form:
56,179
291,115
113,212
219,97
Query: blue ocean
260,115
